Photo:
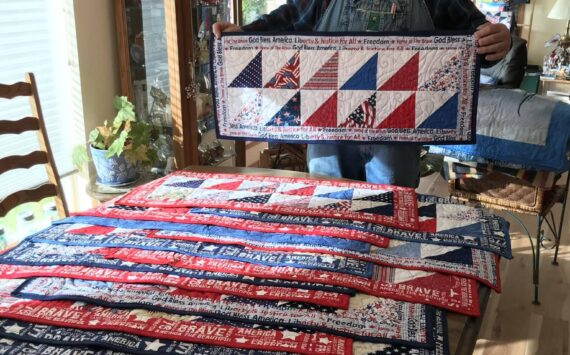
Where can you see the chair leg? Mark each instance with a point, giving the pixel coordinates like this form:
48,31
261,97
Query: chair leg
558,235
536,259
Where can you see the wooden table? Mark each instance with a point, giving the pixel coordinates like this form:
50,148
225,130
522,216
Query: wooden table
463,330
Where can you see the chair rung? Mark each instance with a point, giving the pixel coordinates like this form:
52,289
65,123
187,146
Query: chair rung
19,126
23,196
23,161
17,89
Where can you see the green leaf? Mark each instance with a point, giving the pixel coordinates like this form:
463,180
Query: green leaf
118,146
79,157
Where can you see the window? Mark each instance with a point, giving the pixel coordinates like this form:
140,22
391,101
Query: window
39,36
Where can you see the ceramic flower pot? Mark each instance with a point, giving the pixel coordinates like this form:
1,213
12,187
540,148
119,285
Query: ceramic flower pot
113,171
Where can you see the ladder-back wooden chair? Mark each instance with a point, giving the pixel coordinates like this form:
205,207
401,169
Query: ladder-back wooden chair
42,156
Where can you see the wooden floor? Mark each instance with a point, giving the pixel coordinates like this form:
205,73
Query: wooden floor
512,325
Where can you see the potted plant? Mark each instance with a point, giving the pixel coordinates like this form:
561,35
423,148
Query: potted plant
118,148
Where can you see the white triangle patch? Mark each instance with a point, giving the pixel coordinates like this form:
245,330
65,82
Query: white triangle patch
427,102
311,62
312,100
350,62
236,61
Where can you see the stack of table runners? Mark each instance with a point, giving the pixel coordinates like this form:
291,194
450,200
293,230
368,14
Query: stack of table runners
201,263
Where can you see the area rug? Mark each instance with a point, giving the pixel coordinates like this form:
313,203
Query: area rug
17,337
462,261
185,220
451,292
368,318
14,333
384,204
323,87
41,254
170,326
322,298
130,238
441,222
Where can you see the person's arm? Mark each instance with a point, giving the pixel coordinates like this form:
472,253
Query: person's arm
494,40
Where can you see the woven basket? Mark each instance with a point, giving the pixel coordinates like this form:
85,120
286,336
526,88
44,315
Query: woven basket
505,192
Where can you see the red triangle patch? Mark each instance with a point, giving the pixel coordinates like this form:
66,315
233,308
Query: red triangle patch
303,191
287,77
406,78
404,116
429,225
324,116
326,77
232,185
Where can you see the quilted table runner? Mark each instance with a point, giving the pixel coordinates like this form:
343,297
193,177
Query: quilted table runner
368,318
441,290
176,327
473,263
441,222
288,294
384,204
323,87
41,254
16,335
204,223
138,239
451,292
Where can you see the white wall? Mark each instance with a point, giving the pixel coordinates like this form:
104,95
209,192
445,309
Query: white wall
543,29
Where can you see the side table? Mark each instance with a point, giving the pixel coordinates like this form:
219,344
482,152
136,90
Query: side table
103,193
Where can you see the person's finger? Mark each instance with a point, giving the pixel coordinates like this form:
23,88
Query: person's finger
496,56
496,37
492,48
216,28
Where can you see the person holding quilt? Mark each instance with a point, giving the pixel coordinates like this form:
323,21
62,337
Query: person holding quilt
395,164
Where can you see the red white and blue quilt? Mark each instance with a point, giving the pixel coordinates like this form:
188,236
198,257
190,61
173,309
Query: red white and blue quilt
385,204
321,87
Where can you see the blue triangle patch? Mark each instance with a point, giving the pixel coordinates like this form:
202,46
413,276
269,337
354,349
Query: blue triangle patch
470,230
445,117
387,197
365,77
288,115
250,77
254,199
341,195
428,211
191,184
458,256
385,210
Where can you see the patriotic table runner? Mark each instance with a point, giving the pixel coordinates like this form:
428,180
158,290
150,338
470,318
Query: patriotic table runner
441,222
368,318
175,327
14,332
473,263
253,240
183,219
41,254
451,292
384,204
138,239
15,347
323,87
329,299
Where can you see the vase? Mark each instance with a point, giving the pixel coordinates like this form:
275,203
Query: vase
114,171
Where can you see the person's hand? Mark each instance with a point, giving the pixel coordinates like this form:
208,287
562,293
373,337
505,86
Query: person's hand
494,40
220,27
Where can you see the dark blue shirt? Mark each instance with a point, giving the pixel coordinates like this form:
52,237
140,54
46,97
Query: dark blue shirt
303,15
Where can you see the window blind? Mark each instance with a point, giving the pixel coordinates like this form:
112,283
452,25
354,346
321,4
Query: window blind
38,36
